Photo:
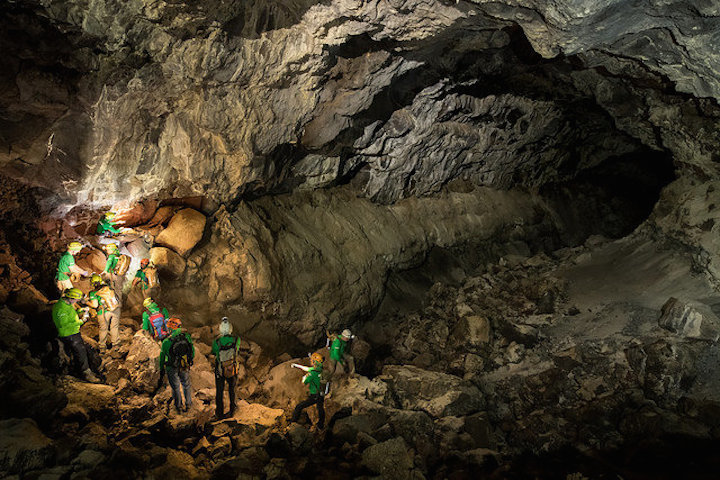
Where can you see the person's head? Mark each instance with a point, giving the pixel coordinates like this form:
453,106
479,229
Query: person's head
346,335
72,295
316,359
225,326
95,280
111,248
74,248
147,302
144,262
110,215
174,323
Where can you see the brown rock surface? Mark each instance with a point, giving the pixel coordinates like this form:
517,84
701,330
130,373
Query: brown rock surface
183,232
168,262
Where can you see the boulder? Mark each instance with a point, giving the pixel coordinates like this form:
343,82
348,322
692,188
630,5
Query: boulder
283,385
183,232
142,362
89,397
140,213
23,446
390,459
347,429
439,394
688,319
254,413
472,329
168,262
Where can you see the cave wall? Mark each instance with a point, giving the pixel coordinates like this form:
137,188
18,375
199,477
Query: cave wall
310,123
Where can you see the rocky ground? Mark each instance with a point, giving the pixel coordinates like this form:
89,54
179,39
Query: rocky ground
548,363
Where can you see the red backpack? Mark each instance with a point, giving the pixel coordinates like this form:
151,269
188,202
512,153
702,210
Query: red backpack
159,326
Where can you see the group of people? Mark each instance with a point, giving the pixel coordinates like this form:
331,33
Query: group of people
177,351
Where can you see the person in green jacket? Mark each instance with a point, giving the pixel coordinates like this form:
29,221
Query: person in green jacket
225,348
141,278
338,355
154,319
108,273
107,225
176,357
67,266
314,382
68,323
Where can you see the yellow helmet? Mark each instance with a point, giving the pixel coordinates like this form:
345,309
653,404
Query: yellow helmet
110,215
111,247
316,358
95,279
74,247
74,293
147,302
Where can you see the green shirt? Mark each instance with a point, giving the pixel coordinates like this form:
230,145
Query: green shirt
143,279
165,347
337,349
66,319
312,380
111,262
66,261
222,342
146,316
105,225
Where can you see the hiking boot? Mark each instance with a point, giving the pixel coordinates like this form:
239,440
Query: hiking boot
90,376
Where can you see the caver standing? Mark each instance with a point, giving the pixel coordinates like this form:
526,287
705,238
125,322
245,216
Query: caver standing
68,323
105,300
225,348
67,267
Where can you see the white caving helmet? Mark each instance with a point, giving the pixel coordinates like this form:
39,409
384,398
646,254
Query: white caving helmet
346,334
225,326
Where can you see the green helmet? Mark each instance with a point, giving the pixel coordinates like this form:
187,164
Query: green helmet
74,293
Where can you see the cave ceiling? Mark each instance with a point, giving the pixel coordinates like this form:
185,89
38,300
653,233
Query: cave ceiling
107,101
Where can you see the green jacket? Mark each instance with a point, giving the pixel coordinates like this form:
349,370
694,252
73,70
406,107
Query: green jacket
165,347
66,261
312,380
146,316
143,279
223,341
337,350
111,262
66,319
105,225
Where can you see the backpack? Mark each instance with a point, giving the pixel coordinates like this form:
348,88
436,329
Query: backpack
157,321
122,265
151,274
109,298
180,354
227,360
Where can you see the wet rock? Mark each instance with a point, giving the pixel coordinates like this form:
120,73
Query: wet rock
390,459
437,393
183,232
472,329
167,262
23,447
248,461
347,429
88,459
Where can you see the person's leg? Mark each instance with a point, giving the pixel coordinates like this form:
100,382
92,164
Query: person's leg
320,402
231,391
103,331
174,381
219,391
300,407
349,363
187,388
76,344
114,321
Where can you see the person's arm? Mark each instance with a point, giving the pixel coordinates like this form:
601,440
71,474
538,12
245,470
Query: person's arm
111,227
163,353
108,264
165,313
75,269
237,345
192,346
215,349
146,321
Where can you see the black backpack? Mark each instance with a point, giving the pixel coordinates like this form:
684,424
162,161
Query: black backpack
180,354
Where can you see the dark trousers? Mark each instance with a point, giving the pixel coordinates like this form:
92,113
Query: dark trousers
313,399
220,390
76,344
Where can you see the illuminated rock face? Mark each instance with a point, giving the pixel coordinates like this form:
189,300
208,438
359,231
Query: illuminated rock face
338,142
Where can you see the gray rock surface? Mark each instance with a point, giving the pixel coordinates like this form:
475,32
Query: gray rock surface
23,446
